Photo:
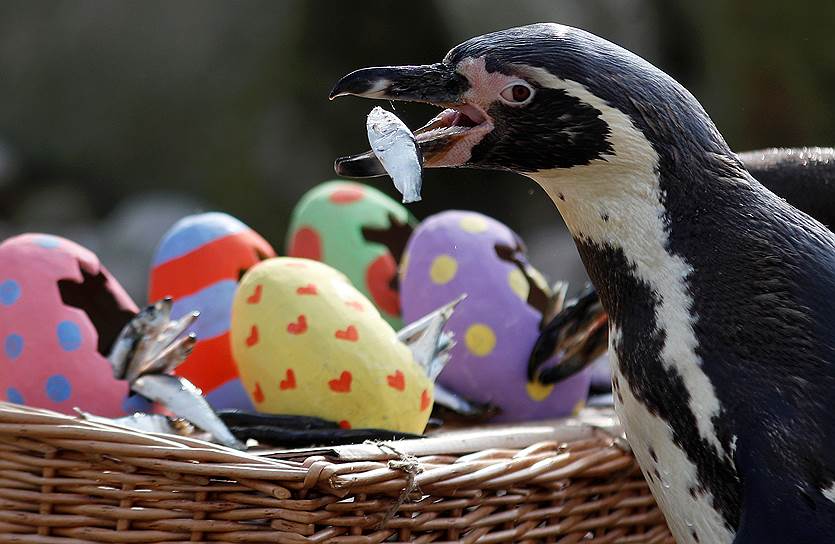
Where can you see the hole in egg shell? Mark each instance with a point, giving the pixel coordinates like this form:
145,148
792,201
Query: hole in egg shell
538,298
394,238
94,297
259,256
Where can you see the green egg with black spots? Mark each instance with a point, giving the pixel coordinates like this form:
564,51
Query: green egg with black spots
358,230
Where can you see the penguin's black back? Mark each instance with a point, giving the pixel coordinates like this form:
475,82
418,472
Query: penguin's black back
805,177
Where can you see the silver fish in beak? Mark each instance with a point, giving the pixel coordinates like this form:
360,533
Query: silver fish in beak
395,147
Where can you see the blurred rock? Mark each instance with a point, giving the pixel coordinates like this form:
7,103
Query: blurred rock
53,207
129,236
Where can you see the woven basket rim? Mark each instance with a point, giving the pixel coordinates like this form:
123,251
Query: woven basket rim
67,479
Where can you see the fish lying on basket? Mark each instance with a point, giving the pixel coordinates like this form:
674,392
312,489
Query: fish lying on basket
149,348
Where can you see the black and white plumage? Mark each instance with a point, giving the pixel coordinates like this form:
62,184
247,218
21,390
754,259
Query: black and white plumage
804,177
720,295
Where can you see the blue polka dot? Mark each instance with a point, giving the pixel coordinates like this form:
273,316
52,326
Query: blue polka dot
58,388
9,292
135,403
13,395
69,335
13,346
48,242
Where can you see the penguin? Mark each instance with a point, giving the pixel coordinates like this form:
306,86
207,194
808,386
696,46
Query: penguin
720,294
805,177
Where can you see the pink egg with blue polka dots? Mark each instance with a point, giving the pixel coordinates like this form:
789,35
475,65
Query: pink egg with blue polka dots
60,311
496,326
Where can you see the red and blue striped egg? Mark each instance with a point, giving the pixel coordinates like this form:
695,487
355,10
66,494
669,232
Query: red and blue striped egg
199,263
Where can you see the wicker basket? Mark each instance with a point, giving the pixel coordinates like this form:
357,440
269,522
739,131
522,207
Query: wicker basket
63,479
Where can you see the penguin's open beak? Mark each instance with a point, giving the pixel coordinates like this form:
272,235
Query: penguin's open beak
446,140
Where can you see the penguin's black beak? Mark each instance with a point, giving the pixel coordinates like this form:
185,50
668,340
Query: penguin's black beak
437,84
446,140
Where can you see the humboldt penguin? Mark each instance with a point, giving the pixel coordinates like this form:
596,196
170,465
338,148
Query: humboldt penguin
720,295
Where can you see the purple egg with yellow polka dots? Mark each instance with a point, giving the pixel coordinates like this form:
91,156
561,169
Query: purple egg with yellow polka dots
60,311
496,326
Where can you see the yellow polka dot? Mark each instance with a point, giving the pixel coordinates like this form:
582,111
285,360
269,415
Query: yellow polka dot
538,391
480,339
518,283
578,407
443,269
473,223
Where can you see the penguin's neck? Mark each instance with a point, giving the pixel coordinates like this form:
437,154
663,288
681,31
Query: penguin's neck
616,215
663,397
616,206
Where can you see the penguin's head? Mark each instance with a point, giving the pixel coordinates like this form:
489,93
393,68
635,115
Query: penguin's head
540,100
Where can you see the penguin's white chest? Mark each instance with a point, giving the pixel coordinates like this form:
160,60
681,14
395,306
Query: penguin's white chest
671,476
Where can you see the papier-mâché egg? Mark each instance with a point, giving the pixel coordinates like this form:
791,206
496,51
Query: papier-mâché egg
199,263
496,326
60,311
308,343
359,231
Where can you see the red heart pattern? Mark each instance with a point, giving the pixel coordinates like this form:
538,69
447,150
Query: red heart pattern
289,382
350,334
425,400
257,394
299,326
255,297
343,384
308,289
397,381
252,339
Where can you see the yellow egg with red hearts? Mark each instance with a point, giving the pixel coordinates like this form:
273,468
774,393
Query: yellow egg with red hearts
307,342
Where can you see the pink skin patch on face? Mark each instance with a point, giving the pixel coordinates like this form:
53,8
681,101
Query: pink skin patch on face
485,88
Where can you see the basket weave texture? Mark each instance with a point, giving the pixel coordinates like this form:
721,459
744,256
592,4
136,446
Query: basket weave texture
67,480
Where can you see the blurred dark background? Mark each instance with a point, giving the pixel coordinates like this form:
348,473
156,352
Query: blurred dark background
118,118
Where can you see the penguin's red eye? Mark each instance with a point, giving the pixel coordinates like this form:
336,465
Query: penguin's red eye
516,93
